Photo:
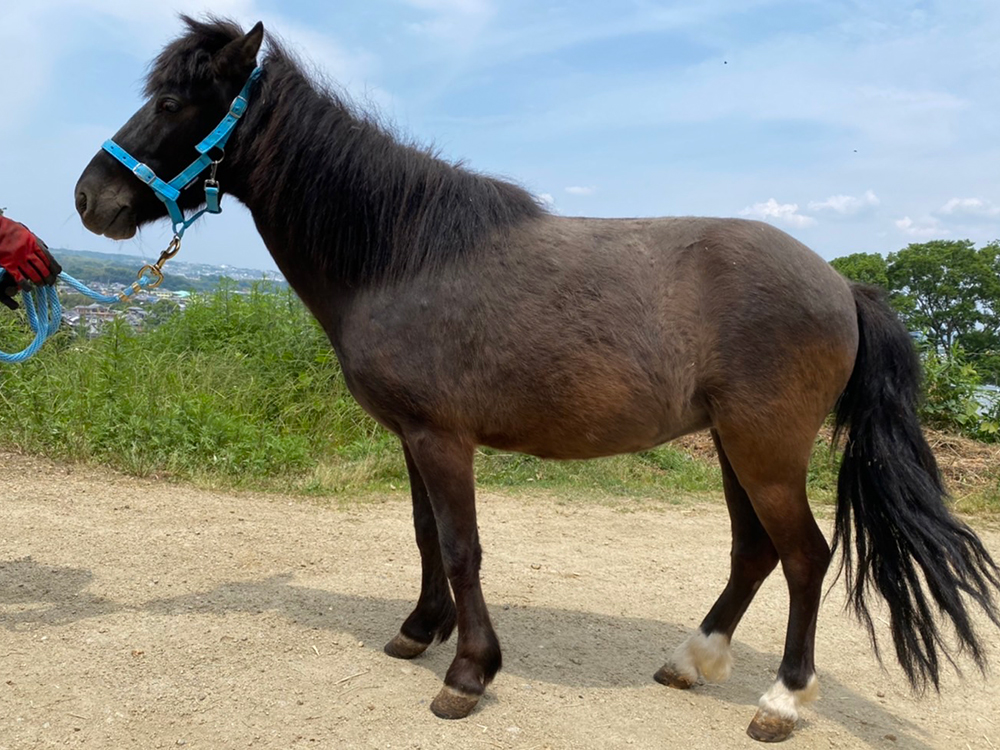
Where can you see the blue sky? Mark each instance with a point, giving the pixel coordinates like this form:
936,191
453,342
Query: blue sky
853,125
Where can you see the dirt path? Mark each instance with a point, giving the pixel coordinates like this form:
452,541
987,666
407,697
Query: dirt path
148,615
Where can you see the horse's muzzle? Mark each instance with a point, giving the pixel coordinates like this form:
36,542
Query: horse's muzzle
103,203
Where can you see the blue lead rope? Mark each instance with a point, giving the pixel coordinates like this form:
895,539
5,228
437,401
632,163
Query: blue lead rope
44,312
44,316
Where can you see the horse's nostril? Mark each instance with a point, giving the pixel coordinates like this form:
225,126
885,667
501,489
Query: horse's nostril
81,202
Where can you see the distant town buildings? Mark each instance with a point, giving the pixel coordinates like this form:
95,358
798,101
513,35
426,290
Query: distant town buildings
90,319
93,317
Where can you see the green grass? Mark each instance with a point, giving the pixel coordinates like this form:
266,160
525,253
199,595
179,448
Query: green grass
981,500
243,391
665,473
237,390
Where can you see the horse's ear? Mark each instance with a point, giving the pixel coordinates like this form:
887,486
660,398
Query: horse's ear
240,56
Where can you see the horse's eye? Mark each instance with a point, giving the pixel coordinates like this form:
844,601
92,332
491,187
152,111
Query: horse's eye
167,104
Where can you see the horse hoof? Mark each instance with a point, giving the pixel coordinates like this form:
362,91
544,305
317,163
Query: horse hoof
667,676
453,704
768,727
404,647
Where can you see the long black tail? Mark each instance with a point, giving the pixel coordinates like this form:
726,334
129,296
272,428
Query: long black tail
903,531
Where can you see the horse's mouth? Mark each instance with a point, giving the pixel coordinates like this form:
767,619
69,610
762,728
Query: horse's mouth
122,225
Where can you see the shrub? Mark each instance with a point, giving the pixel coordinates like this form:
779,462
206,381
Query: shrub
953,396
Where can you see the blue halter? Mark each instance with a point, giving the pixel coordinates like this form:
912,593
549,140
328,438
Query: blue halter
170,192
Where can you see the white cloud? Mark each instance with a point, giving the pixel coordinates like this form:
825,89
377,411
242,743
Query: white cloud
847,205
914,99
142,28
923,228
581,190
459,20
329,60
780,213
974,207
546,199
464,7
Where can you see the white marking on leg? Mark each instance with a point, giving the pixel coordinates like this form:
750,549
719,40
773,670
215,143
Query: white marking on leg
703,655
780,701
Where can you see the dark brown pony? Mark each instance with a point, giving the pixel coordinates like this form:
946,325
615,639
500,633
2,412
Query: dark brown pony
464,314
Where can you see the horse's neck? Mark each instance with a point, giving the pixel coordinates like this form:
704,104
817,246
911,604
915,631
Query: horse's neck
293,175
342,205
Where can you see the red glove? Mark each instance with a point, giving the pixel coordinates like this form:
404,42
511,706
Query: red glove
25,257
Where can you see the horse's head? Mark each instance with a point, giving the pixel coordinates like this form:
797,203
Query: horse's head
189,90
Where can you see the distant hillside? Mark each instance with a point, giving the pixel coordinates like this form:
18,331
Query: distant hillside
111,268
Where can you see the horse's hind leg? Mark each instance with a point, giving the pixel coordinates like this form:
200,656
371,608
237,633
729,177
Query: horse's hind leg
434,616
445,463
706,654
772,469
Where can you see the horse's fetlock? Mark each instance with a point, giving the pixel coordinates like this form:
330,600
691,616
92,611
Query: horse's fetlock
467,676
447,619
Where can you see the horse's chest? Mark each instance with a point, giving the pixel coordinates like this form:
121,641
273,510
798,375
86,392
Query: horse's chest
399,372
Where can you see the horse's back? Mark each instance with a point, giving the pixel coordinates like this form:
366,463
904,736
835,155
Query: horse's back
707,283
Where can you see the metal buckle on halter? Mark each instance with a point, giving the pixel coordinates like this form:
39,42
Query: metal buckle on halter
144,173
238,107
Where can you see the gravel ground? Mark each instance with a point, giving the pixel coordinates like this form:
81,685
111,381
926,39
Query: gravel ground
153,615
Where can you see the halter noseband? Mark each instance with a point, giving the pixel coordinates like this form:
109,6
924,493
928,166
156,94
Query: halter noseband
170,192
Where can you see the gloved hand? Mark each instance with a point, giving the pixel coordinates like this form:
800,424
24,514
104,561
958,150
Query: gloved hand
8,288
24,257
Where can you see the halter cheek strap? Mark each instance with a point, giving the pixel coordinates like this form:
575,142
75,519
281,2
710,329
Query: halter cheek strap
170,192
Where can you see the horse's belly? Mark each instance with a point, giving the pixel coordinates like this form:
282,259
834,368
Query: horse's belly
590,428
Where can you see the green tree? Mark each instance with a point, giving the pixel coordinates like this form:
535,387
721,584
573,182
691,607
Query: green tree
982,347
944,288
990,296
865,268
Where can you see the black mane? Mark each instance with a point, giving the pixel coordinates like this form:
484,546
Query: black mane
186,61
340,185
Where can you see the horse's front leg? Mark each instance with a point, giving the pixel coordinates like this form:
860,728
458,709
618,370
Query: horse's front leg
445,463
434,616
